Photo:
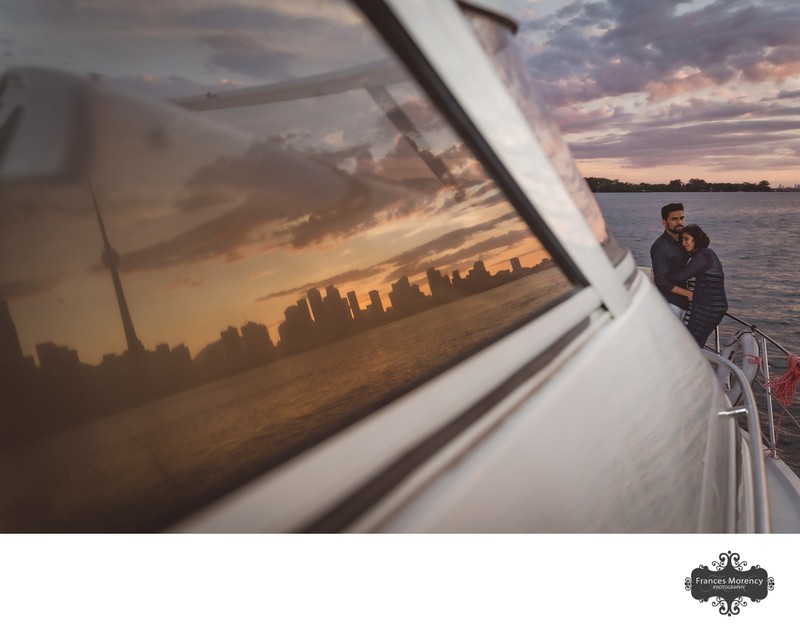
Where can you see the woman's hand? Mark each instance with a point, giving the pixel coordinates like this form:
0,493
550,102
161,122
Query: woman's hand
682,292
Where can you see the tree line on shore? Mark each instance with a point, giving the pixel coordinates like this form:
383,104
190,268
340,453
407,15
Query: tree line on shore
604,185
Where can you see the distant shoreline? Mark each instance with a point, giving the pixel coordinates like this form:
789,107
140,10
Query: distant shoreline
670,191
605,185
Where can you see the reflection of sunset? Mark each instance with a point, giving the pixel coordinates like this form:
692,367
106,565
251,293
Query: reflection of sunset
199,298
206,209
191,289
204,254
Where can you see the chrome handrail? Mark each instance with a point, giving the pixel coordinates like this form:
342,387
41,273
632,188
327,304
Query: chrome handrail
773,440
760,497
762,347
755,330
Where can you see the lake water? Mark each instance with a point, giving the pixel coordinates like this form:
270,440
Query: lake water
756,236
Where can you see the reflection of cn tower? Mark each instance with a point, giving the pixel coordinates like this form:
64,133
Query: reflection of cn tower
110,259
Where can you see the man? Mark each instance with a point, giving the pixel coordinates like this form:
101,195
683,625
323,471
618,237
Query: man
668,256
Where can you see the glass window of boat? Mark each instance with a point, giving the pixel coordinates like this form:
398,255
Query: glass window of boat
497,38
229,230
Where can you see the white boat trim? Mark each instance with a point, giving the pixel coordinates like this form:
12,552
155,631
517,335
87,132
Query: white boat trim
374,74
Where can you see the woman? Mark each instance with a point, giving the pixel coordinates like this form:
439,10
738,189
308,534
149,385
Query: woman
709,302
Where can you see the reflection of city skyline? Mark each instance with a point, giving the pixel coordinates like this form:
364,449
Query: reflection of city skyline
63,388
177,258
318,319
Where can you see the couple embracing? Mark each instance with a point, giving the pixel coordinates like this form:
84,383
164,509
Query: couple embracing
682,253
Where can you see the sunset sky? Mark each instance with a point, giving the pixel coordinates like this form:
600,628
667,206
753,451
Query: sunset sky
226,216
649,91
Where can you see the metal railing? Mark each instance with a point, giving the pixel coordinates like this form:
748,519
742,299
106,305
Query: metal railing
762,339
750,409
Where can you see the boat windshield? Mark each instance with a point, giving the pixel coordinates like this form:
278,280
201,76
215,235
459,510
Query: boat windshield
229,230
498,40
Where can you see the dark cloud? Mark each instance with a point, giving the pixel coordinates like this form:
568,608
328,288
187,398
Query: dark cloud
275,197
246,54
576,120
27,287
221,237
350,276
228,18
585,56
279,198
694,110
22,202
188,282
252,41
684,144
448,241
593,50
461,257
690,111
424,256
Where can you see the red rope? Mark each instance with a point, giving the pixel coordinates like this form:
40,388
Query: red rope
783,388
753,359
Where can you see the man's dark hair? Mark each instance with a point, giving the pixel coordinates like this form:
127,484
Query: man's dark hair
669,208
701,240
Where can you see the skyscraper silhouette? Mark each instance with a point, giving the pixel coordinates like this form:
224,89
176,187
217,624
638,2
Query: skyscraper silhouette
111,259
10,349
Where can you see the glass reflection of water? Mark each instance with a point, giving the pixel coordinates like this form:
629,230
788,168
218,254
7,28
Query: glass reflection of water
140,469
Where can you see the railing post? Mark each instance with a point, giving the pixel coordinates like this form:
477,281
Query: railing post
770,415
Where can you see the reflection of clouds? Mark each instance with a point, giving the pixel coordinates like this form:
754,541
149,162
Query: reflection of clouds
459,258
354,214
22,203
244,53
267,176
199,35
185,283
27,287
350,276
448,241
276,197
495,196
424,117
273,196
418,259
403,162
218,238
